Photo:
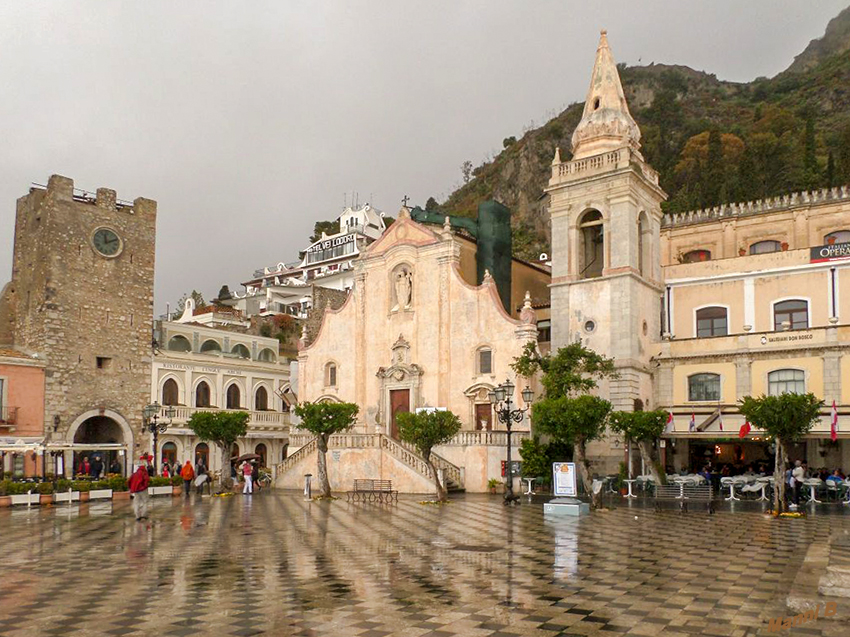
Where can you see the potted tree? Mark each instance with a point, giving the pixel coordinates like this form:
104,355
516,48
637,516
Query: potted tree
222,428
493,485
323,420
785,418
425,431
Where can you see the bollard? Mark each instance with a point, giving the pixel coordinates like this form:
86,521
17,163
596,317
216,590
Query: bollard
29,498
308,492
70,497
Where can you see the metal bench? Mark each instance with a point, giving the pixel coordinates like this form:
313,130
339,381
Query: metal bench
372,491
684,495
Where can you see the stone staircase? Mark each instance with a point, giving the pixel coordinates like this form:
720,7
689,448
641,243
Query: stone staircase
402,452
824,576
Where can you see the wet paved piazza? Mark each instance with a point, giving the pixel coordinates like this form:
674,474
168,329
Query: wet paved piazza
276,565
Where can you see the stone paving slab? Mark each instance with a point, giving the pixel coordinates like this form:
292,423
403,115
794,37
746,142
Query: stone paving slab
272,564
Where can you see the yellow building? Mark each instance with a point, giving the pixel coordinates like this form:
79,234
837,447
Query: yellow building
698,309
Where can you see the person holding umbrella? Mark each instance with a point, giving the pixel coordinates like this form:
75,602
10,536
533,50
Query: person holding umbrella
247,473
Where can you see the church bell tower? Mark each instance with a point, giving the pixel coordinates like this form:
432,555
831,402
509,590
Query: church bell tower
605,209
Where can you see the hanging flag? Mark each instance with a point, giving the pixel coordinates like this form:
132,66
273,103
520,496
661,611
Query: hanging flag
745,429
720,420
669,428
833,427
692,425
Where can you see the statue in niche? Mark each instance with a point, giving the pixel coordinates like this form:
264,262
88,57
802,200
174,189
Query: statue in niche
403,287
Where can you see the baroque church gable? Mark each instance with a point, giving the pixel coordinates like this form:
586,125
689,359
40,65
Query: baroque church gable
404,231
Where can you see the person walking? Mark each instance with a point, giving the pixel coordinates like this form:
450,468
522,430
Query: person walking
255,474
139,491
200,470
246,473
188,474
166,468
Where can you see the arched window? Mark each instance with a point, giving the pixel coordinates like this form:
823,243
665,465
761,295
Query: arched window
260,450
170,392
202,454
592,249
839,236
712,321
267,356
261,399
202,395
330,375
169,452
704,387
283,452
484,361
234,452
763,247
792,315
241,351
179,343
786,381
210,347
695,256
234,397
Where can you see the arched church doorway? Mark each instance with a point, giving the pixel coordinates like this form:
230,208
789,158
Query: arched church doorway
93,432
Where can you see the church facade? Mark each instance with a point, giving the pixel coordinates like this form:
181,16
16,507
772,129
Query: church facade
415,334
697,309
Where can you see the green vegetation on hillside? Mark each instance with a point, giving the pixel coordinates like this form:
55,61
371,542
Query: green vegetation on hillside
711,141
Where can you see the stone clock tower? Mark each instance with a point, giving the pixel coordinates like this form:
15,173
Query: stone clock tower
81,299
605,209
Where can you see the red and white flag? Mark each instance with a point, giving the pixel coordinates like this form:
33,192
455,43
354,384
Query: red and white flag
720,421
669,428
692,425
745,429
833,427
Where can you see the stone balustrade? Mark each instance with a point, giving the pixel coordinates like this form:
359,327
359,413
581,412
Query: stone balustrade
272,419
488,438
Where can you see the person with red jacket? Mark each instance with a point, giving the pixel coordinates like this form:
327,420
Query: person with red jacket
139,491
188,474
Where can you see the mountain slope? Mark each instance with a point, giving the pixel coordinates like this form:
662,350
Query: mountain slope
712,141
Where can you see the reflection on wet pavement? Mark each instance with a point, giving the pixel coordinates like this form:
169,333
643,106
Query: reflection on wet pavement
273,564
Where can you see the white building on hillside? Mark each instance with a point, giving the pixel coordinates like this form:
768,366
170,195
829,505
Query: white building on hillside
328,263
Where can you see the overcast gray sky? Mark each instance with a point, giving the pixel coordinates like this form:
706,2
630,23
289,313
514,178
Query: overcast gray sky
248,121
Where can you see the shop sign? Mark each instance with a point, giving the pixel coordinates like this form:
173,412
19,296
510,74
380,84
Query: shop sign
327,244
833,252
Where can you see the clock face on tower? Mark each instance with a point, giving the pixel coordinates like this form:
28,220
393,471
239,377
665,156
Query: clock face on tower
106,242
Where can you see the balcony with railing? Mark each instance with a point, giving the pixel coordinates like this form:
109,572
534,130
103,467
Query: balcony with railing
274,421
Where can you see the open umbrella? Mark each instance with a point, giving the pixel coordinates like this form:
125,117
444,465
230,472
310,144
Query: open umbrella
247,456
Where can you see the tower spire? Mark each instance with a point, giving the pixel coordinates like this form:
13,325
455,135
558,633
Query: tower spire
606,123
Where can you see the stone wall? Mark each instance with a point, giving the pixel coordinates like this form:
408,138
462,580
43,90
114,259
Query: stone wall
87,316
323,299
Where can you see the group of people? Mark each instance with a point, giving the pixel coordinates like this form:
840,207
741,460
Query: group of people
140,480
187,472
794,477
95,467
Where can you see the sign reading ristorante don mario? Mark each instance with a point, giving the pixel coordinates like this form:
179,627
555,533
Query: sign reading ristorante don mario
830,253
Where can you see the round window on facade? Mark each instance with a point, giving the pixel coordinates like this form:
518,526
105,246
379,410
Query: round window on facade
589,326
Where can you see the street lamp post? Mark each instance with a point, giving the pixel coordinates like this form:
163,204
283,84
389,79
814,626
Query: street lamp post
502,398
151,422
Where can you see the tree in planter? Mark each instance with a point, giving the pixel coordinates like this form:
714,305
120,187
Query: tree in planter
425,431
324,420
644,427
577,421
567,412
221,428
785,418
